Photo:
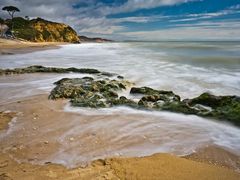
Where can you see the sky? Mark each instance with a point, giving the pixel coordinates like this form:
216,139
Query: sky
151,20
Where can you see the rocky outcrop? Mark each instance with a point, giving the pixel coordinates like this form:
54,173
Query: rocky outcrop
40,30
42,69
219,107
103,88
87,92
97,39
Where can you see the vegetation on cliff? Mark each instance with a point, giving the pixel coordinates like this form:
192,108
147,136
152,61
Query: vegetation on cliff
95,39
40,30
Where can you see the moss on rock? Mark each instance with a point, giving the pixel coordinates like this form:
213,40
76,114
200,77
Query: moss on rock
103,92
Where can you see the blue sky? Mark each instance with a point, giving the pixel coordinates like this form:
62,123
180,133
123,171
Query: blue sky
141,19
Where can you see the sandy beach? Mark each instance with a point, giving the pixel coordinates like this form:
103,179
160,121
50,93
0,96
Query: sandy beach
39,139
159,166
36,114
120,90
10,47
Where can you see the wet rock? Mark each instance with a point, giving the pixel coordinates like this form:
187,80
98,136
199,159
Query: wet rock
87,92
42,69
218,107
83,70
143,90
103,92
120,77
92,103
122,101
108,74
155,95
179,107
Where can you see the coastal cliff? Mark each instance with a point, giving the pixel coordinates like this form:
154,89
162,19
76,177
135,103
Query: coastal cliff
95,39
40,30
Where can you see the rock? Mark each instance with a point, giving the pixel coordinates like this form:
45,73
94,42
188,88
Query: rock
120,77
178,107
218,107
143,90
40,30
155,95
87,92
103,92
42,69
83,70
110,94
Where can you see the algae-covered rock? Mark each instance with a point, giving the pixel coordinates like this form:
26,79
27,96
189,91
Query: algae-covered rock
100,91
219,107
42,69
122,101
154,98
87,92
155,95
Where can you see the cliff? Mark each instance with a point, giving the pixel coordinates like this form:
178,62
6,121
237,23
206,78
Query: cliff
40,30
97,39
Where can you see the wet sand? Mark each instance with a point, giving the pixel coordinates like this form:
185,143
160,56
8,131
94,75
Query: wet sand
10,47
6,118
33,138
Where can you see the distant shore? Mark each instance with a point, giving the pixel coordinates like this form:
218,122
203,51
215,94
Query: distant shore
8,47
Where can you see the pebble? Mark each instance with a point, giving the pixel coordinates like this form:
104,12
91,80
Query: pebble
46,142
71,139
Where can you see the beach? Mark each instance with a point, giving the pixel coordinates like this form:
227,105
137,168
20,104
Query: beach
42,138
10,47
21,157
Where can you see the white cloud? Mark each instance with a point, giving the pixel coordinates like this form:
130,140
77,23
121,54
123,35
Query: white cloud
92,19
222,31
133,5
202,16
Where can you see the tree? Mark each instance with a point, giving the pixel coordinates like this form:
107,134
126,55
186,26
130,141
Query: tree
11,10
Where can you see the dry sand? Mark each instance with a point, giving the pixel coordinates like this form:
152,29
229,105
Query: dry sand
158,166
8,47
39,112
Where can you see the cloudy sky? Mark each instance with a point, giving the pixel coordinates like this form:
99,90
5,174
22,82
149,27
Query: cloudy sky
140,19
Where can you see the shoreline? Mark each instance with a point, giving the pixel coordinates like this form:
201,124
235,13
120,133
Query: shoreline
31,145
10,47
41,114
